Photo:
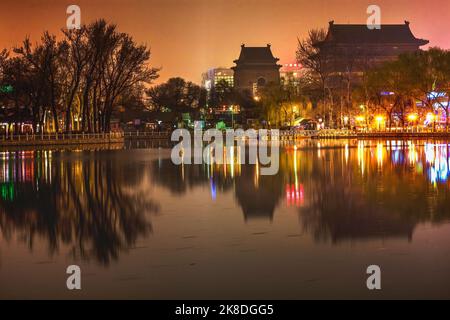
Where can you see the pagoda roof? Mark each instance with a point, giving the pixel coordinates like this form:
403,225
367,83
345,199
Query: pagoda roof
361,34
256,55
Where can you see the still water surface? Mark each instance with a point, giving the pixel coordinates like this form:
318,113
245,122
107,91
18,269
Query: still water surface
140,227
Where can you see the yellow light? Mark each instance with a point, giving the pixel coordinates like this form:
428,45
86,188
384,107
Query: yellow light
379,119
360,118
413,117
380,153
256,98
431,117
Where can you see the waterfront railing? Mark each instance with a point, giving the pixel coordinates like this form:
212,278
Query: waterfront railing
83,136
61,136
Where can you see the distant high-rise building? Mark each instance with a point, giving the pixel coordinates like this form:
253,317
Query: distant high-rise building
291,73
255,68
214,76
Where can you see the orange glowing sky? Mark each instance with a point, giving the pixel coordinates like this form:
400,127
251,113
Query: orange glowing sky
189,36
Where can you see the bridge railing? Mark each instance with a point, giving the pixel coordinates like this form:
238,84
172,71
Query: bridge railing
149,134
84,136
336,132
61,136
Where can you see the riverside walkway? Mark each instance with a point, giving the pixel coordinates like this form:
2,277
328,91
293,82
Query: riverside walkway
351,134
62,139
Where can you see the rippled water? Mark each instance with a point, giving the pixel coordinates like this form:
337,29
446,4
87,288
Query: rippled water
140,227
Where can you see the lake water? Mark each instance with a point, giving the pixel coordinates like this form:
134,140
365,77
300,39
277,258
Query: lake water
141,227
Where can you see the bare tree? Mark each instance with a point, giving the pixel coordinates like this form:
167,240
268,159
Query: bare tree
126,68
317,65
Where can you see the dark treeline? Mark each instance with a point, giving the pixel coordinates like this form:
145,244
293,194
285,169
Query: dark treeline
72,84
178,96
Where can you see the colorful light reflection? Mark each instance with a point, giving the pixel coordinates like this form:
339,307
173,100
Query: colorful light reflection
437,158
295,196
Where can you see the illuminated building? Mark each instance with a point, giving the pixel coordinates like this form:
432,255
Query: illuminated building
291,73
255,68
214,79
355,48
214,76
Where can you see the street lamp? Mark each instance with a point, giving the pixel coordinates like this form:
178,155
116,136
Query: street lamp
321,125
413,118
360,120
232,116
346,118
379,120
365,112
431,118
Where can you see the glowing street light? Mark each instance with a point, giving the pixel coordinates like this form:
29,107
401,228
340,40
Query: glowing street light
360,118
346,118
379,120
413,117
431,117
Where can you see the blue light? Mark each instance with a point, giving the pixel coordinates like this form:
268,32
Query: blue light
213,189
435,95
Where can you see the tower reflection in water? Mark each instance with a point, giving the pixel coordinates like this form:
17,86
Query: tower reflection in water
342,191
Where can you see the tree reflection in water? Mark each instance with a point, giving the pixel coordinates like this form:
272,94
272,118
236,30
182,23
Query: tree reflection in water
81,203
376,190
342,190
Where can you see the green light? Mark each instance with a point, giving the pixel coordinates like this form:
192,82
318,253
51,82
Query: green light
3,192
7,191
7,89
